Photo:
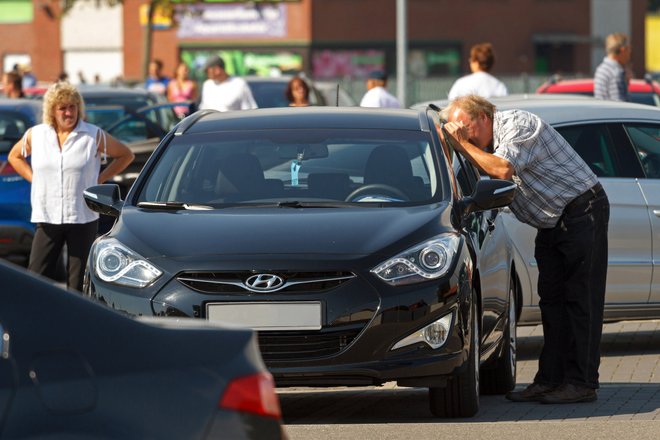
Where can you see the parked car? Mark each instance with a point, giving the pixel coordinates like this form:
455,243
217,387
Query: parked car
335,94
72,368
140,129
16,231
128,99
269,91
621,143
642,91
341,235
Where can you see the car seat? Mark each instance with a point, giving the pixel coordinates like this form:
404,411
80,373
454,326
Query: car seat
390,165
240,177
11,131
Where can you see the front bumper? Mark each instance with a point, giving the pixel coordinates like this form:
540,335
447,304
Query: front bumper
362,320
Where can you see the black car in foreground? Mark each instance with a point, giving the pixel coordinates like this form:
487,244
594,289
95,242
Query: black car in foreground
359,249
73,369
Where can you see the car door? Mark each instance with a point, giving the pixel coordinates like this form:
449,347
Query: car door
607,150
645,139
493,252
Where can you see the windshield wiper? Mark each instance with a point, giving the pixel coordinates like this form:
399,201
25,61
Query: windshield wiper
299,204
174,206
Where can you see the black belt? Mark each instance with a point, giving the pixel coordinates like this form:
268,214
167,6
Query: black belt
585,197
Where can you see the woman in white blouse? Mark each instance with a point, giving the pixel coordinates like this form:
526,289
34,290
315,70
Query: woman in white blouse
66,154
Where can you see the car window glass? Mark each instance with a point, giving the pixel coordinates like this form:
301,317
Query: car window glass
306,165
12,127
645,98
646,141
104,116
131,129
603,149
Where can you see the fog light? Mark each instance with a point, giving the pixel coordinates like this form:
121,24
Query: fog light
434,335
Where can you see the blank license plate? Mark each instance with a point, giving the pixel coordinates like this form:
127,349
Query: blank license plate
267,315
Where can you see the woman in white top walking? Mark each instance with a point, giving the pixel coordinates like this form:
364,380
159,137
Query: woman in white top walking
66,159
480,81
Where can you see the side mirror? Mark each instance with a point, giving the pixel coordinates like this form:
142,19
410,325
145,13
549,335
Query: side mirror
104,199
489,194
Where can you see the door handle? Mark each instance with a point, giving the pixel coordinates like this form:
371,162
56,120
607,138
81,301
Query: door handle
491,224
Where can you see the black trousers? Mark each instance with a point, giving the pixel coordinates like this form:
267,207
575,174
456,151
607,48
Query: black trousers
47,244
572,263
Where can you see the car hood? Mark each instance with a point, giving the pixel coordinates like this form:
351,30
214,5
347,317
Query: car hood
259,231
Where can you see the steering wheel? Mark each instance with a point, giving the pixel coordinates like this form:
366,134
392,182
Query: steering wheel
376,188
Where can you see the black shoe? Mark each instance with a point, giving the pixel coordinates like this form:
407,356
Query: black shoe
532,393
570,393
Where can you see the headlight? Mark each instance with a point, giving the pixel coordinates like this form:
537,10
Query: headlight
117,264
429,260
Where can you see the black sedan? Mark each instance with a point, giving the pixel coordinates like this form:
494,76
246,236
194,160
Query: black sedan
359,249
71,368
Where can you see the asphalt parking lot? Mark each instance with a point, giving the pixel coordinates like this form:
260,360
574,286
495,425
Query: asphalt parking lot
628,402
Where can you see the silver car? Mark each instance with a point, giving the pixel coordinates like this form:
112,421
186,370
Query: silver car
621,144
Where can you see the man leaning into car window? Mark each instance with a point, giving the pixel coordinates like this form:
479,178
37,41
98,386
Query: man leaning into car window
560,196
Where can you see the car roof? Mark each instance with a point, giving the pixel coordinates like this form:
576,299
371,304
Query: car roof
100,90
321,117
30,107
583,85
570,109
567,108
516,97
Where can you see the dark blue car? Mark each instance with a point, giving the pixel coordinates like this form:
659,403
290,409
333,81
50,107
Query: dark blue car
16,231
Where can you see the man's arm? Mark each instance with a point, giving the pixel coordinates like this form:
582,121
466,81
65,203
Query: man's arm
490,164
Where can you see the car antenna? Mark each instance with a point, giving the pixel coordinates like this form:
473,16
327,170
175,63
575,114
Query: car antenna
337,96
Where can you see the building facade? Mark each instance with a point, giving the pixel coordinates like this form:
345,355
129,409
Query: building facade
323,38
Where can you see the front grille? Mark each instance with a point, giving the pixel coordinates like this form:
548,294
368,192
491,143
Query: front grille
234,282
299,345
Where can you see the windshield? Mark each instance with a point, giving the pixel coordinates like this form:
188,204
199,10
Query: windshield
312,166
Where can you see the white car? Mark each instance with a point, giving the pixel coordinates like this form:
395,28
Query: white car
621,144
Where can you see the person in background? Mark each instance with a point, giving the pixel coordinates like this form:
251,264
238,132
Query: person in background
377,94
561,197
611,79
480,81
223,92
181,88
29,80
156,82
66,155
12,85
63,76
297,92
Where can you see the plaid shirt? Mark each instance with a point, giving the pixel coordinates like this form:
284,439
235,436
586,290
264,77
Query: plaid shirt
549,173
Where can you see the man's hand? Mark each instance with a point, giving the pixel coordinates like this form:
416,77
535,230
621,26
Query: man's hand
458,132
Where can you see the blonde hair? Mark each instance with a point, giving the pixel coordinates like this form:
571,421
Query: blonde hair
61,93
471,105
615,42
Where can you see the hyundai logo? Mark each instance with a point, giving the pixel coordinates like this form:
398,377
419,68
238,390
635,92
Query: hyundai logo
264,282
